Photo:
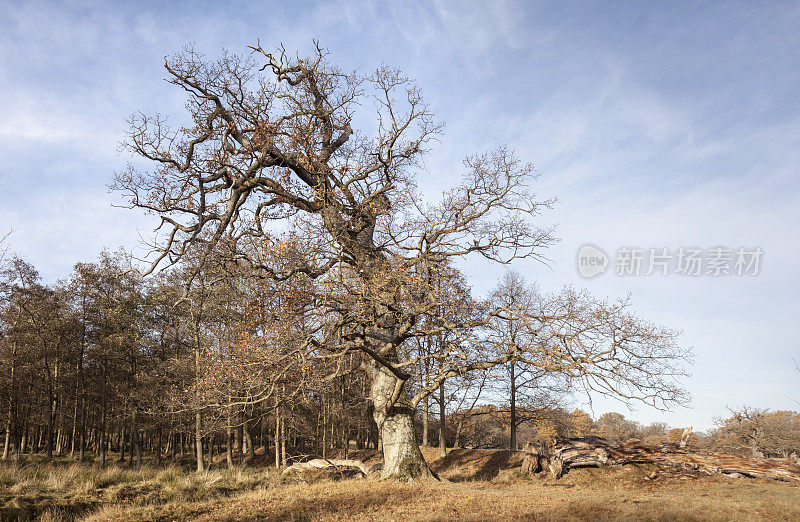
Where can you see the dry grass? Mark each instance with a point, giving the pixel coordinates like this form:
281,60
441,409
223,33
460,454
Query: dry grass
586,495
479,485
61,491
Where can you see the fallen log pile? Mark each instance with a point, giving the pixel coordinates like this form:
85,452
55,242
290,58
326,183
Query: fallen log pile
565,454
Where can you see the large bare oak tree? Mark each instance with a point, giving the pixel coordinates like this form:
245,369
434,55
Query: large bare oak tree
270,161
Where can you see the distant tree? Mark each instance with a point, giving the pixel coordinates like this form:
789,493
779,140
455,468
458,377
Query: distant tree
760,432
581,424
654,433
615,427
531,386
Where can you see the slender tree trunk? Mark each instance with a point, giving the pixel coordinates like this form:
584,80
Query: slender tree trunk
10,410
198,419
198,436
7,439
512,444
345,423
11,422
248,439
131,447
324,428
229,443
425,422
103,421
283,441
277,434
8,432
49,435
73,442
82,446
20,447
264,434
60,433
239,442
136,442
137,449
79,382
426,401
55,430
122,442
158,445
102,447
212,439
442,416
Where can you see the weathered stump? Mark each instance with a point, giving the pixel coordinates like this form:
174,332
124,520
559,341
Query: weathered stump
685,437
532,462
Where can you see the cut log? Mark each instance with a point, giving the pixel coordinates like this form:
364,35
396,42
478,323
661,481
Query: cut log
338,464
596,451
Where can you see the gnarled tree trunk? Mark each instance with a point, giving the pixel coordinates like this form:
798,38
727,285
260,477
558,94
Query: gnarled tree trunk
395,419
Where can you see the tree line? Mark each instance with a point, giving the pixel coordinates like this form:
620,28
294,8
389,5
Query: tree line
106,361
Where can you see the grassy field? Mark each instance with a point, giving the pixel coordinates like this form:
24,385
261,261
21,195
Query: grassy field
478,485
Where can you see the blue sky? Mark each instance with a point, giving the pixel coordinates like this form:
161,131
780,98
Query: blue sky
655,125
